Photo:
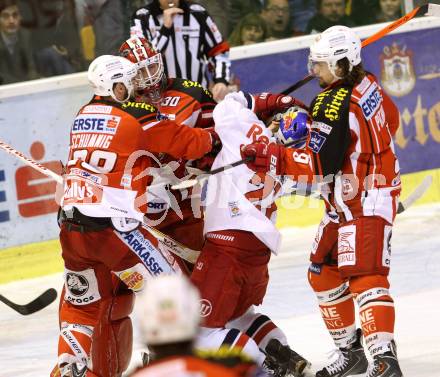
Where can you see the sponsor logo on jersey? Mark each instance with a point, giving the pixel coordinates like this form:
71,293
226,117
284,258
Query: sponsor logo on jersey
323,127
316,141
81,287
139,105
205,308
371,101
78,284
315,268
194,84
132,279
154,205
97,109
234,209
162,116
398,77
146,252
346,242
86,175
126,180
101,124
77,190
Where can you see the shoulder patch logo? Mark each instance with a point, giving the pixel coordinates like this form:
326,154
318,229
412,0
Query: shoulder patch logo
316,141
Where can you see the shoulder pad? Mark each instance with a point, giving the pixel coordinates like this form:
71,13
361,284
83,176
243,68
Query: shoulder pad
192,88
138,109
197,8
332,105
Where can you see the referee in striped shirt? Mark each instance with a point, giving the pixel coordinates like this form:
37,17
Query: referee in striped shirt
188,39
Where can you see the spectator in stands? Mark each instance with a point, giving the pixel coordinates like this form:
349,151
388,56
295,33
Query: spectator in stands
362,11
63,53
301,11
251,29
240,8
276,13
389,10
107,19
16,59
330,13
188,39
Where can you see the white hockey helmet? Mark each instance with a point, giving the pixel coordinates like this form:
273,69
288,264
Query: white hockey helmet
168,310
107,70
333,44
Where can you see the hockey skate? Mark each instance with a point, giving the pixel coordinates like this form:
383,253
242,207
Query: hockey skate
282,361
351,361
384,365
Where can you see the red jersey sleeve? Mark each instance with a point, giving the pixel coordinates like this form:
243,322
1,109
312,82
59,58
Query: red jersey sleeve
176,140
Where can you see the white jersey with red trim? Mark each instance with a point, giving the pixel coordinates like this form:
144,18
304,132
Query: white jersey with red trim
239,198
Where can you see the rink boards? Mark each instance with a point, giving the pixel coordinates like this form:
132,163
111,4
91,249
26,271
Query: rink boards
36,116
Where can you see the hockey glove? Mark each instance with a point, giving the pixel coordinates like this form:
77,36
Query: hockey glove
264,158
215,140
267,104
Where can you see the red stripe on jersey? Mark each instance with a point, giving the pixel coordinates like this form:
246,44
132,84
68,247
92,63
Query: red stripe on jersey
266,329
242,340
219,49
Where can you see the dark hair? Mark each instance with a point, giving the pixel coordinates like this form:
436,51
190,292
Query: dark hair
353,77
250,19
7,3
319,3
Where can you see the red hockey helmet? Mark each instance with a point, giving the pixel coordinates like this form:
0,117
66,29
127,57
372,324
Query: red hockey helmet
150,81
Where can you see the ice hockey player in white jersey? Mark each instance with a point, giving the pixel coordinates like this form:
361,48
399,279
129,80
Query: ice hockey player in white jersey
232,270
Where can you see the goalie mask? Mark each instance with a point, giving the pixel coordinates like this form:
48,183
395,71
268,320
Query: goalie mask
294,127
150,81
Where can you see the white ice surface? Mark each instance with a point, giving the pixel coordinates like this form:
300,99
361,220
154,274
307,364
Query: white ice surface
28,344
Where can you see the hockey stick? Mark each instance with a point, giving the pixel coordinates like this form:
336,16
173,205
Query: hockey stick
45,299
168,243
418,192
12,151
428,9
192,182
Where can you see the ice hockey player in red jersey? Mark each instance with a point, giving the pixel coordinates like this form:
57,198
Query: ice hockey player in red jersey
183,102
168,313
350,147
232,270
107,255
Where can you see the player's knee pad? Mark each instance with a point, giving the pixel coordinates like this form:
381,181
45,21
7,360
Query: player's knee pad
259,327
113,336
212,339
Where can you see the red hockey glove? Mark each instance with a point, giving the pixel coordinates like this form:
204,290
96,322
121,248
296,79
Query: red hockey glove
267,104
215,140
264,157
